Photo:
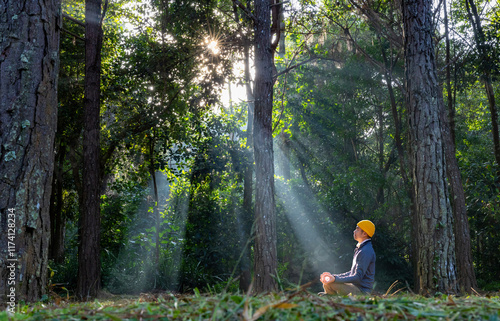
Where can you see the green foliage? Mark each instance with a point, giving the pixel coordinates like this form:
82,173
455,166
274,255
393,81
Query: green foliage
483,204
118,209
198,202
157,80
210,253
134,269
336,134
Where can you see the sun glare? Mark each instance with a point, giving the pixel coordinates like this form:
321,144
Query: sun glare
212,46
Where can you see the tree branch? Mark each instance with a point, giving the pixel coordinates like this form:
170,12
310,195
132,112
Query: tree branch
67,16
73,34
245,10
278,3
377,23
295,66
104,10
367,56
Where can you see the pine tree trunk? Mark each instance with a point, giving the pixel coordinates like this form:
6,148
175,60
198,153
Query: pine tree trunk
265,255
29,66
435,270
89,265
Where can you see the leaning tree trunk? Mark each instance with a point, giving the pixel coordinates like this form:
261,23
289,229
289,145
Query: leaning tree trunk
265,254
89,265
433,214
29,65
465,267
451,109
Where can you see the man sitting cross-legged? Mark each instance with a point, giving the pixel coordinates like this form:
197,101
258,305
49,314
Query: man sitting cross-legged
359,280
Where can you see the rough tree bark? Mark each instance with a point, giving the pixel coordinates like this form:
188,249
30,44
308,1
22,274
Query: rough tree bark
89,265
436,266
29,65
265,254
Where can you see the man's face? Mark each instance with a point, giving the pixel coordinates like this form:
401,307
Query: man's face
359,234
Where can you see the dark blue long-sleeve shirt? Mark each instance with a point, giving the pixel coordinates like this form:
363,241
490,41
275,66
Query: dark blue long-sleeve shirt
362,272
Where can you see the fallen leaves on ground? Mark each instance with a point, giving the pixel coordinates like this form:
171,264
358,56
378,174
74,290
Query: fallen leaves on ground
301,305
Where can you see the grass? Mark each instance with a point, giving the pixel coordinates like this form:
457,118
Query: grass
300,305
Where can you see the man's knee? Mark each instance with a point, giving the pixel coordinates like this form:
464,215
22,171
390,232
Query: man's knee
341,288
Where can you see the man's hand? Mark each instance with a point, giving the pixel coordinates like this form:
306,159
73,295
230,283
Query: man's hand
327,277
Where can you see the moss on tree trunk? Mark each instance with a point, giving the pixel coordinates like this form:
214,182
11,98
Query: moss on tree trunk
29,65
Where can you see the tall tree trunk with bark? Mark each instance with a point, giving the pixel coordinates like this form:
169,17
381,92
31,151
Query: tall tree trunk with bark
89,264
29,66
265,253
436,266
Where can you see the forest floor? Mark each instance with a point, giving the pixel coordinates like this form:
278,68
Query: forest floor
300,305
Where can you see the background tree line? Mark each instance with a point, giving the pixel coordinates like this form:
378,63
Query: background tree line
158,186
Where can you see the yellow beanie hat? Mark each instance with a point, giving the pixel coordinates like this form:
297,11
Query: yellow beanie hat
367,226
